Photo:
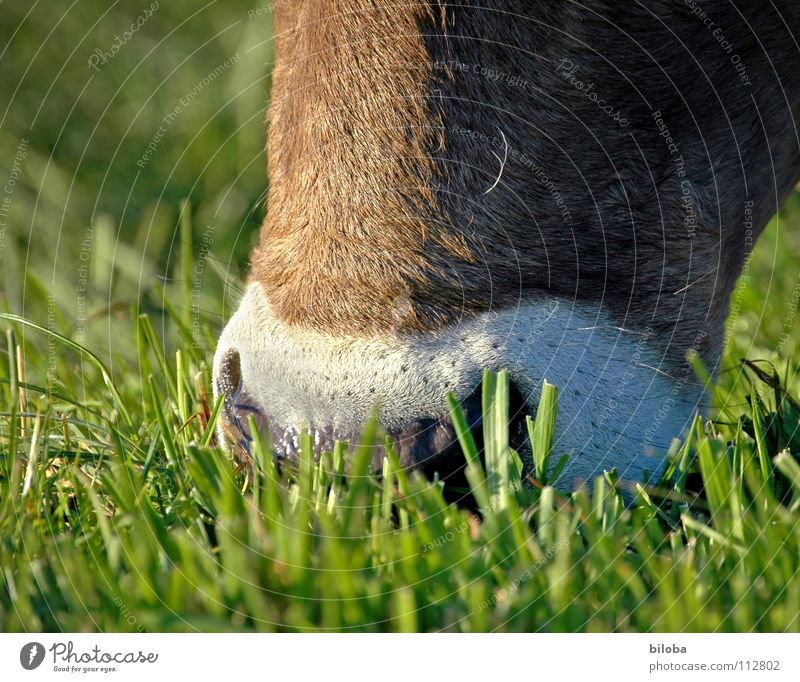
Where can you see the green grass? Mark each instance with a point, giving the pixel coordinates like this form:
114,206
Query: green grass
117,513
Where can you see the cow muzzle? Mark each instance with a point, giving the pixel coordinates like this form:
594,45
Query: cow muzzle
617,407
287,381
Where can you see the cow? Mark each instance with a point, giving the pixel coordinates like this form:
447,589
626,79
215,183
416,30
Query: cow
566,190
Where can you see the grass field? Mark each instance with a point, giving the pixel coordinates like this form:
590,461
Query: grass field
119,513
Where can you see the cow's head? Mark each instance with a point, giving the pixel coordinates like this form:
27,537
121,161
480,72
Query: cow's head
460,189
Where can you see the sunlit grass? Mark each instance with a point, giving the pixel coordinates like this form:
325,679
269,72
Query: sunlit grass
118,511
122,515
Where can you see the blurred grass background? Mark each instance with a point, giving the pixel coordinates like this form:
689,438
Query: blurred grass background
92,207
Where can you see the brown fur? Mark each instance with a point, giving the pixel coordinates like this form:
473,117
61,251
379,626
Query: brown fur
353,222
378,216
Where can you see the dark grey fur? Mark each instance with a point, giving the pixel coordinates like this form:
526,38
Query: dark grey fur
619,237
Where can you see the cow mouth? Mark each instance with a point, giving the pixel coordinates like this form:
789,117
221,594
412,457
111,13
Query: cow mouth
429,445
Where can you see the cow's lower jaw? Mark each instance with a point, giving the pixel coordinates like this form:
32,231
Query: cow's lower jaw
618,406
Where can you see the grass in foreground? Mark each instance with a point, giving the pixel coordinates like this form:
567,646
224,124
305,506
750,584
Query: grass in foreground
118,513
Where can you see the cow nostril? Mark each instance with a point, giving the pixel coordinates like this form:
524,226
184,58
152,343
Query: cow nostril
230,373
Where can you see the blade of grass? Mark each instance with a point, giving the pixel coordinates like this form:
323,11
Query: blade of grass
187,265
474,470
542,431
495,400
119,403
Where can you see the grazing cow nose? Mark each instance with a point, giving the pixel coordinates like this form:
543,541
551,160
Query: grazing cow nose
293,380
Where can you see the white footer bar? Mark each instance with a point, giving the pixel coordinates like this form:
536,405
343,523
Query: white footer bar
386,658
